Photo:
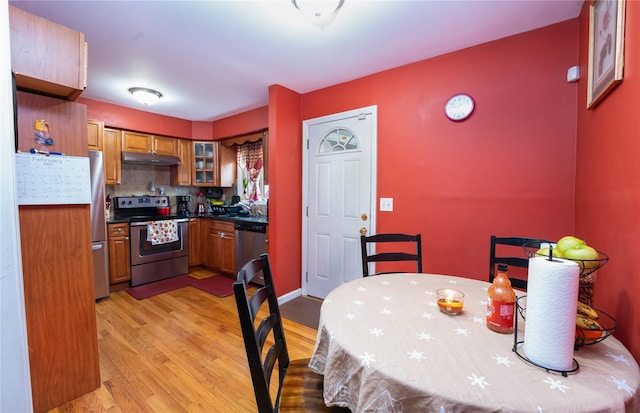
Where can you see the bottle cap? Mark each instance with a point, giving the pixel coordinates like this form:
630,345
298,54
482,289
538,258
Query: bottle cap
502,267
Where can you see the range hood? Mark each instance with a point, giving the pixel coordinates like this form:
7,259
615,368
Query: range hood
149,159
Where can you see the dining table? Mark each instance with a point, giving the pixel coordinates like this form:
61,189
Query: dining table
383,345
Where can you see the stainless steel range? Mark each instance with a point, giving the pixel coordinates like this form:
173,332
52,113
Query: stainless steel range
154,259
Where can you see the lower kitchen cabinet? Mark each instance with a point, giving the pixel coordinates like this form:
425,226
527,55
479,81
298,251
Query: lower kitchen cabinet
220,246
195,241
119,253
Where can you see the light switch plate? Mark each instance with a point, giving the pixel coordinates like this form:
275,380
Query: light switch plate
386,204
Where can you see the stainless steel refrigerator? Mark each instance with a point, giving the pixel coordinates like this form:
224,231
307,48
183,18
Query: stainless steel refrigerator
98,226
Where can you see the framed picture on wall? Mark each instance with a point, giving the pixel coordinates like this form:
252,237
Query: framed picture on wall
606,48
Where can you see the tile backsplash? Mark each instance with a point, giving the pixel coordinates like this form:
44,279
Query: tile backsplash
137,180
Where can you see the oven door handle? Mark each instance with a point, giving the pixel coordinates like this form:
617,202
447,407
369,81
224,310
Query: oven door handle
145,223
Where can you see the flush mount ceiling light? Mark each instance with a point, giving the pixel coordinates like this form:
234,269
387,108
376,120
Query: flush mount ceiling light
320,12
145,96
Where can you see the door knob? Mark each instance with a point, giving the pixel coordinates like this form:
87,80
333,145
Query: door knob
363,231
364,217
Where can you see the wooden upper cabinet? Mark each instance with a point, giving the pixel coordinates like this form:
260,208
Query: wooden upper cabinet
47,58
95,129
228,164
163,145
181,174
136,142
213,164
112,157
145,143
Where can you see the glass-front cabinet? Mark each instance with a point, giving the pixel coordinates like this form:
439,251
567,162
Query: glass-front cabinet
213,164
205,168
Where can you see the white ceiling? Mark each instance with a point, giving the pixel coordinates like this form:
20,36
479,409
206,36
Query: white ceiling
212,59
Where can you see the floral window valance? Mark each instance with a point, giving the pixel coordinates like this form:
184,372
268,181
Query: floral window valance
249,159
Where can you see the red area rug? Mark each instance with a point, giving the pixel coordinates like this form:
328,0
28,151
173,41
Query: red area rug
218,285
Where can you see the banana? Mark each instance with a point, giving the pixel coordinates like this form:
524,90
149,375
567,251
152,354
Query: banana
587,311
586,323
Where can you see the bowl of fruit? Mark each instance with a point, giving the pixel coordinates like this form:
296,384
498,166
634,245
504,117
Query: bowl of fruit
592,326
572,248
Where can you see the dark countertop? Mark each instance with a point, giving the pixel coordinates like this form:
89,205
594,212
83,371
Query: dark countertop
235,217
231,217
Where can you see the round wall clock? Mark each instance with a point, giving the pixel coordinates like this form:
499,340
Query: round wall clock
459,107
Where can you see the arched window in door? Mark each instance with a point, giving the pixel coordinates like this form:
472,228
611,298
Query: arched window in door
338,140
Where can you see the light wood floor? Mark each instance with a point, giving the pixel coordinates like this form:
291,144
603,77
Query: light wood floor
180,351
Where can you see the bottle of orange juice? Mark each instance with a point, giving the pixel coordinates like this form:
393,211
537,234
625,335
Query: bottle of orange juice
501,301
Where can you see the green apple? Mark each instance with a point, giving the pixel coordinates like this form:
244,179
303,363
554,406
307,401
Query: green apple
545,252
568,242
586,256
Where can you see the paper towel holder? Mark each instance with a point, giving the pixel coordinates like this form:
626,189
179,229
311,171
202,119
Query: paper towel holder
520,312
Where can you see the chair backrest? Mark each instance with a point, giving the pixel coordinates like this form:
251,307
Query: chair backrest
268,326
516,256
386,256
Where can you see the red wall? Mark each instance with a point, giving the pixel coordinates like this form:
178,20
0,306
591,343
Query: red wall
608,181
121,117
115,116
508,170
250,121
201,130
285,182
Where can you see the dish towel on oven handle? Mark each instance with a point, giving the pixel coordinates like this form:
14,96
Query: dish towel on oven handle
162,232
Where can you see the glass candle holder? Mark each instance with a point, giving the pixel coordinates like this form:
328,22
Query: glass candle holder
450,301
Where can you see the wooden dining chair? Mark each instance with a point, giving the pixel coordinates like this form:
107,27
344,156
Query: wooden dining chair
299,388
412,242
510,251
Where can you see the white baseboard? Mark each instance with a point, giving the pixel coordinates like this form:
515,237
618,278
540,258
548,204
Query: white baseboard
289,296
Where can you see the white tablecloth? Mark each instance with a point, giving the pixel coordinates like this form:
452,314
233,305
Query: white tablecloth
384,346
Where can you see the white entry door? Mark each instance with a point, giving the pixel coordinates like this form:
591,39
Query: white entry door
338,198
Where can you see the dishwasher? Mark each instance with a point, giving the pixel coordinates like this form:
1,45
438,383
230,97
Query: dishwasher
251,242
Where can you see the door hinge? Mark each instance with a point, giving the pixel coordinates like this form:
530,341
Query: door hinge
306,276
307,208
307,144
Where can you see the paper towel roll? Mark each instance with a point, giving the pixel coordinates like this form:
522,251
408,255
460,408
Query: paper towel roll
552,297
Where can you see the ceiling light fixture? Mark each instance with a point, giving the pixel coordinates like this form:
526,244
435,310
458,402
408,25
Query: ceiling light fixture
145,96
320,12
